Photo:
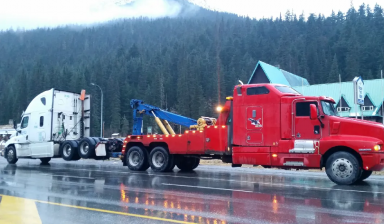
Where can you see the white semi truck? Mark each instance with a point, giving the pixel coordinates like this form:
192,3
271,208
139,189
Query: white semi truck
57,124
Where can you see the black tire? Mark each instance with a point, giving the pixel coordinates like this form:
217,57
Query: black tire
365,174
45,160
197,163
87,148
68,150
160,160
343,168
188,163
137,159
10,155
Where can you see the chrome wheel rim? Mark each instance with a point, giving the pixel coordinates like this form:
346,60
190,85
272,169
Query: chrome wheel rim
342,168
84,148
67,150
134,158
158,159
10,155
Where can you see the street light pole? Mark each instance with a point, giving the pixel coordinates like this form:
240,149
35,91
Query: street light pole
101,110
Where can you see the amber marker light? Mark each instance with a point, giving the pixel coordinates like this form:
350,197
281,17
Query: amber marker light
219,109
274,155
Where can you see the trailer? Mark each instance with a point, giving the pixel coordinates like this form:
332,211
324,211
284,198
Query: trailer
57,124
261,124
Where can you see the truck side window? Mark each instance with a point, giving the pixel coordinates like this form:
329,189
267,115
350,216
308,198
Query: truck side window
43,100
41,121
24,123
302,109
257,90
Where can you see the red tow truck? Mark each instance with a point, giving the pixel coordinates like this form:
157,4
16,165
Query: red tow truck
262,124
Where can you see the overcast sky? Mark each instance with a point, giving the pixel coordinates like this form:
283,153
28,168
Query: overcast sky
30,14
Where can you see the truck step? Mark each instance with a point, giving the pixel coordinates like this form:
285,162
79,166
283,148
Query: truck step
86,128
85,111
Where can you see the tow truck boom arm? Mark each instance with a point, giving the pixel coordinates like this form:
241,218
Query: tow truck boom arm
139,109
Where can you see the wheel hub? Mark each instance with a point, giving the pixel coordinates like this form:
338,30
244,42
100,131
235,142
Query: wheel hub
10,155
134,158
158,159
342,168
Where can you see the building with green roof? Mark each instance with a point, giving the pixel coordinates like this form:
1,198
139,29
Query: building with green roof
342,92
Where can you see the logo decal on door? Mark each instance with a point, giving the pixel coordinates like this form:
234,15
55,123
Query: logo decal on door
256,122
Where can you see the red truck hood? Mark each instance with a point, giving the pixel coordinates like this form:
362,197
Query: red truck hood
351,126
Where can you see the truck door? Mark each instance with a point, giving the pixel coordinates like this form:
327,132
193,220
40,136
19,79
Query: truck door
39,138
23,138
304,127
254,125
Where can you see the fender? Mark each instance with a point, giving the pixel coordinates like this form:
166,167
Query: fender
16,142
360,144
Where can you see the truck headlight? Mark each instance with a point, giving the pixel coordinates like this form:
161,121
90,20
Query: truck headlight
377,148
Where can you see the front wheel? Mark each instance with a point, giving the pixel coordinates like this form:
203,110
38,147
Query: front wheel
10,155
137,159
343,168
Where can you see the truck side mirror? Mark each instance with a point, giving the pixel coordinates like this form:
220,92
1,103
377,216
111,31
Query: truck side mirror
313,111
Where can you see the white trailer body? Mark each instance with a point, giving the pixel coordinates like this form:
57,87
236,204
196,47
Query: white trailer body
51,118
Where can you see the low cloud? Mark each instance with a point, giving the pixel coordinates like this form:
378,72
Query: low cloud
31,14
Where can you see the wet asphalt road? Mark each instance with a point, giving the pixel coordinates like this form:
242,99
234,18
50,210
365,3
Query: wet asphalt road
106,192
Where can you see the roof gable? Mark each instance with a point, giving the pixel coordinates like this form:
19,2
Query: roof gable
277,75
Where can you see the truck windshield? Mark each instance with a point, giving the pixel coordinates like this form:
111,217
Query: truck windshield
328,108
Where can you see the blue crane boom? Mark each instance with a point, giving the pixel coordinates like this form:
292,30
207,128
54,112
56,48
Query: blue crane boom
140,108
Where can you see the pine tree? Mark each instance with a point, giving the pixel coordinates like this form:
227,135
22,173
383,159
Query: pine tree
334,73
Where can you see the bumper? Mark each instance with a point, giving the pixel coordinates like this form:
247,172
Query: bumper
374,161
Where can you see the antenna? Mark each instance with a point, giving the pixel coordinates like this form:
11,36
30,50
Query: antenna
382,111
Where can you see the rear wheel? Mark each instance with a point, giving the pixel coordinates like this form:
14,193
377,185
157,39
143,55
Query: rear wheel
137,159
45,160
188,163
160,160
365,174
87,148
68,151
343,168
10,155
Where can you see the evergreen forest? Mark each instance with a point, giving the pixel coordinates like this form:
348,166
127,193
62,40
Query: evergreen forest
188,64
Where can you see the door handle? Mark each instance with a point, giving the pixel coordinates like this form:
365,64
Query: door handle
26,137
248,137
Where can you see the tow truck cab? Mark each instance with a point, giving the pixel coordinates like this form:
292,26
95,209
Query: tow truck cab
273,125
